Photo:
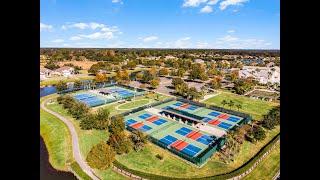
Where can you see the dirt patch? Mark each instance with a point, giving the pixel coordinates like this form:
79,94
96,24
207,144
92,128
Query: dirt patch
85,65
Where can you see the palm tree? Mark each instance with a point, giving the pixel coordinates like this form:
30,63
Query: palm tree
231,104
239,106
224,102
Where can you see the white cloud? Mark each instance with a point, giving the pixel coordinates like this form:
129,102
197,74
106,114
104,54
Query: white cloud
224,4
231,31
75,38
228,38
213,2
193,3
98,35
58,41
80,25
206,9
231,42
45,27
149,38
116,1
182,43
202,45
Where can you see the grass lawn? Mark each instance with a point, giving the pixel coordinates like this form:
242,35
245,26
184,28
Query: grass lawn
134,104
78,171
175,167
110,174
57,139
256,108
268,167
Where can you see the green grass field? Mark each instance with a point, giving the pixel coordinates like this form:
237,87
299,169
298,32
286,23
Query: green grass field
267,168
134,104
256,108
171,165
78,171
57,139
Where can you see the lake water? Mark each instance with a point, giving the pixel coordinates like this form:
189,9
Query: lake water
47,172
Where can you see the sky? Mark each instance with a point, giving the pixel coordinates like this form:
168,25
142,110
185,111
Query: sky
205,24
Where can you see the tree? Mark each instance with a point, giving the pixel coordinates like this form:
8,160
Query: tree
120,143
100,78
224,102
102,119
101,156
181,72
138,139
163,71
88,122
197,72
271,119
77,84
234,75
194,94
182,89
61,86
51,65
241,86
215,83
176,81
257,133
117,125
239,106
231,104
139,76
131,64
154,83
78,110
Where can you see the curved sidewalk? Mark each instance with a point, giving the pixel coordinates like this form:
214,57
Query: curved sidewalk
75,142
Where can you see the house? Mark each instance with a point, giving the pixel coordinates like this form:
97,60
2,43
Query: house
198,61
45,73
64,71
263,75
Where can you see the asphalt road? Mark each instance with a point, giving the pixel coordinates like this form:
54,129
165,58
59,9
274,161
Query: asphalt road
75,142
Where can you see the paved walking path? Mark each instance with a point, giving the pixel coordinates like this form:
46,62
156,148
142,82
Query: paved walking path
75,142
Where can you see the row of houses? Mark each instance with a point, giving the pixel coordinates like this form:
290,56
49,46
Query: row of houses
264,75
65,71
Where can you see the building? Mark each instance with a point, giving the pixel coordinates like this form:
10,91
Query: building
45,73
64,71
263,75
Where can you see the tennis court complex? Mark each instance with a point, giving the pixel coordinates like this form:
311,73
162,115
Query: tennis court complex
105,95
189,131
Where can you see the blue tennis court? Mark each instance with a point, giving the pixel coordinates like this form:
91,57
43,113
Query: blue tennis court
213,113
233,119
159,122
178,104
130,121
192,107
204,139
183,131
191,150
168,140
145,128
224,125
206,119
145,116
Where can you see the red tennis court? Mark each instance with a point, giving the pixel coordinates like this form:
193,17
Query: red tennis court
181,145
137,125
185,105
196,136
214,122
152,118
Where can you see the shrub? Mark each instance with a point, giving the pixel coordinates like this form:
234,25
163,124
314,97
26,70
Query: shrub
159,156
120,143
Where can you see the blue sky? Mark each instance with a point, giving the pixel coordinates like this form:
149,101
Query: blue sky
218,24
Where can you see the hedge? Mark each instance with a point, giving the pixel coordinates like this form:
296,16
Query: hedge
229,175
